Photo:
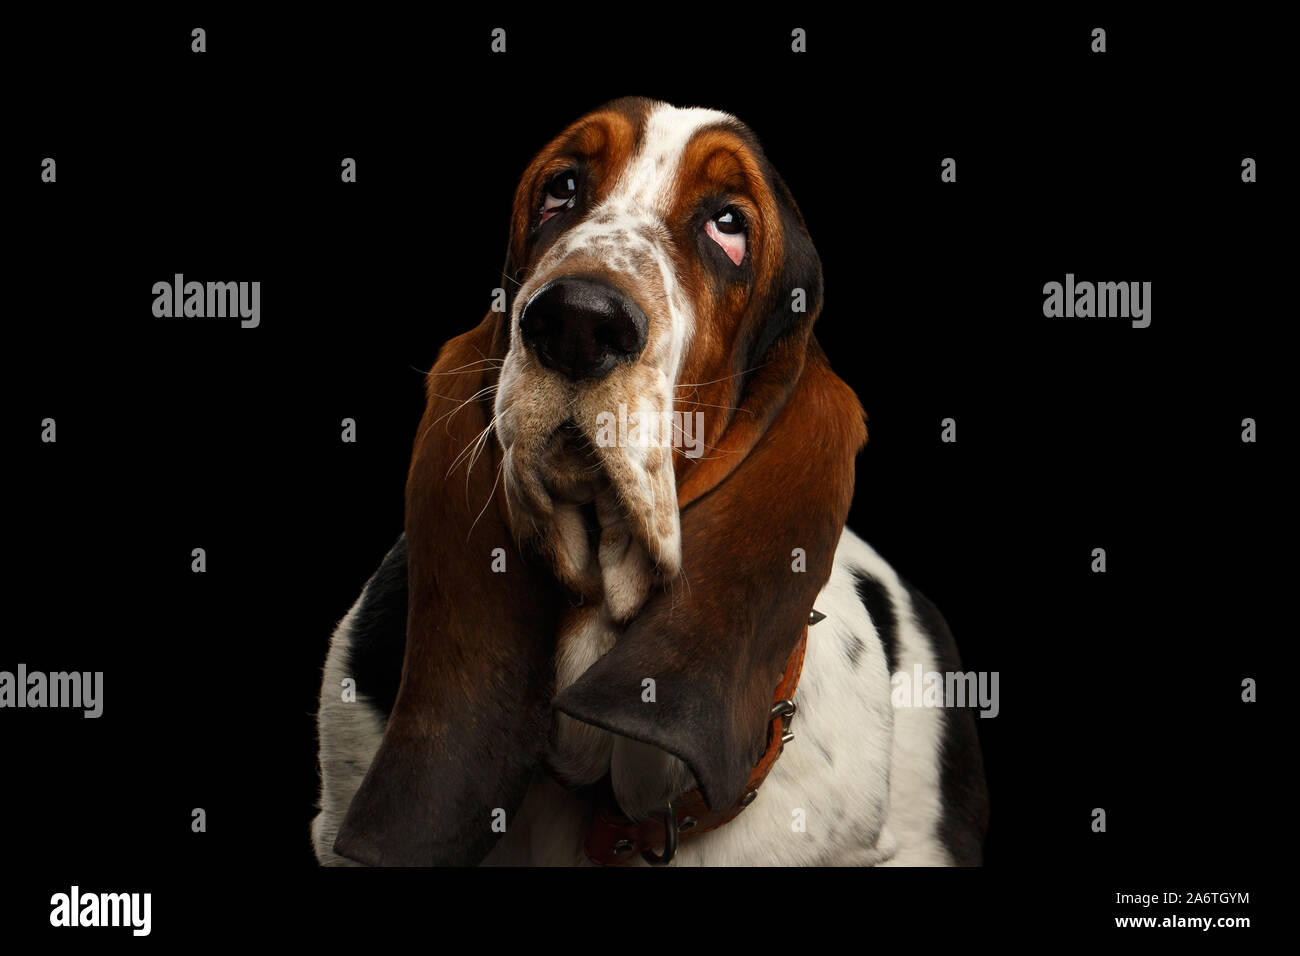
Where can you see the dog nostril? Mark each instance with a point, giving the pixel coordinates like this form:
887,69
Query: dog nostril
582,328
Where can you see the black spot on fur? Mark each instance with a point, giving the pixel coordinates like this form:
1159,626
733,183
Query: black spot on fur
853,649
379,631
876,600
965,794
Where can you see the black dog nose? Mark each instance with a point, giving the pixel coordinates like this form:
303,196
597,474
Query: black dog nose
583,328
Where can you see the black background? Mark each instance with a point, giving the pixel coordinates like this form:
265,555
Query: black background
1119,691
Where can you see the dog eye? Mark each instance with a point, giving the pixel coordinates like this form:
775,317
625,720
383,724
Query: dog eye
730,221
560,193
727,229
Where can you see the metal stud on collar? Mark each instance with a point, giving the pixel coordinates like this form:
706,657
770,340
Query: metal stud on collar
785,709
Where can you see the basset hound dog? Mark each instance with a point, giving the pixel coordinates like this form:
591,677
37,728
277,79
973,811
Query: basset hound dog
625,588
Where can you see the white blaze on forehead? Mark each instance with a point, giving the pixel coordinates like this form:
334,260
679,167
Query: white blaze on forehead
648,178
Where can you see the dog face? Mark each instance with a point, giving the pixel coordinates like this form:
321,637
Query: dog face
647,242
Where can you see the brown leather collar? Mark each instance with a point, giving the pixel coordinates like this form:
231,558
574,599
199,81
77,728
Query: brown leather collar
614,839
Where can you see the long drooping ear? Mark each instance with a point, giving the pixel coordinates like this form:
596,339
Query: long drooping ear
472,713
756,550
